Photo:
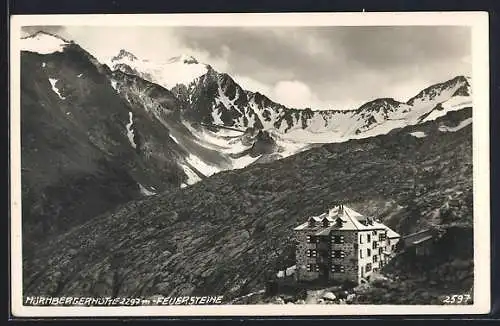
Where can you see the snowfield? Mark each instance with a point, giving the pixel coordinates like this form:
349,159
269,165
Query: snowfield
43,43
461,125
178,70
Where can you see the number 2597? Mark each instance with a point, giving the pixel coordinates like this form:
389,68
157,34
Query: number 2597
456,298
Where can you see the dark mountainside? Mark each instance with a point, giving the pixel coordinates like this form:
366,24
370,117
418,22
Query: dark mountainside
81,153
224,235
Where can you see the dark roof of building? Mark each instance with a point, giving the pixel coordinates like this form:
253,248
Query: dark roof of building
418,237
350,221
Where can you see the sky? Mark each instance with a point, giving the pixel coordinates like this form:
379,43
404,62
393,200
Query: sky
324,67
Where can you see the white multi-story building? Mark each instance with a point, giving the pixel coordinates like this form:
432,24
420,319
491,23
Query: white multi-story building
342,245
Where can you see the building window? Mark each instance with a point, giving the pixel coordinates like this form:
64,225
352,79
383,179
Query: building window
369,237
368,252
361,238
375,258
368,267
360,253
382,237
312,239
380,250
337,239
311,253
392,247
374,244
338,254
338,269
313,268
326,222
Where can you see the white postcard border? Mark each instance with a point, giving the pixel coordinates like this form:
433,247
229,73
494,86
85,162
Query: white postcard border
478,21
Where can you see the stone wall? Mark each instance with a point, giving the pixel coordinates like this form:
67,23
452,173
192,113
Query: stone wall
301,272
350,260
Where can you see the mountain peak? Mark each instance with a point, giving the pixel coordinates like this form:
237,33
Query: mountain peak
436,90
184,58
44,35
385,102
124,54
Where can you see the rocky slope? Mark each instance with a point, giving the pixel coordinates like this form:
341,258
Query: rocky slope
208,97
84,148
93,138
225,234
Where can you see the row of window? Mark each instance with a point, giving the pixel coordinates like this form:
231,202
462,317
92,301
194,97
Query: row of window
336,239
381,237
366,269
313,268
335,254
368,237
375,257
311,239
368,252
340,239
334,268
313,253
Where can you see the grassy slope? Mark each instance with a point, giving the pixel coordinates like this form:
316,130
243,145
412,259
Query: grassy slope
222,235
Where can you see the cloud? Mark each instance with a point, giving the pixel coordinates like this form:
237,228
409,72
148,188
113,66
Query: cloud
294,93
341,66
29,30
253,85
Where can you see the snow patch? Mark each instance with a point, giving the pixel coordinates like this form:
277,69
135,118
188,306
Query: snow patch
145,191
44,64
174,139
461,125
80,75
53,82
418,134
183,185
114,85
42,43
191,175
216,117
224,141
244,161
198,164
130,132
453,104
166,74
